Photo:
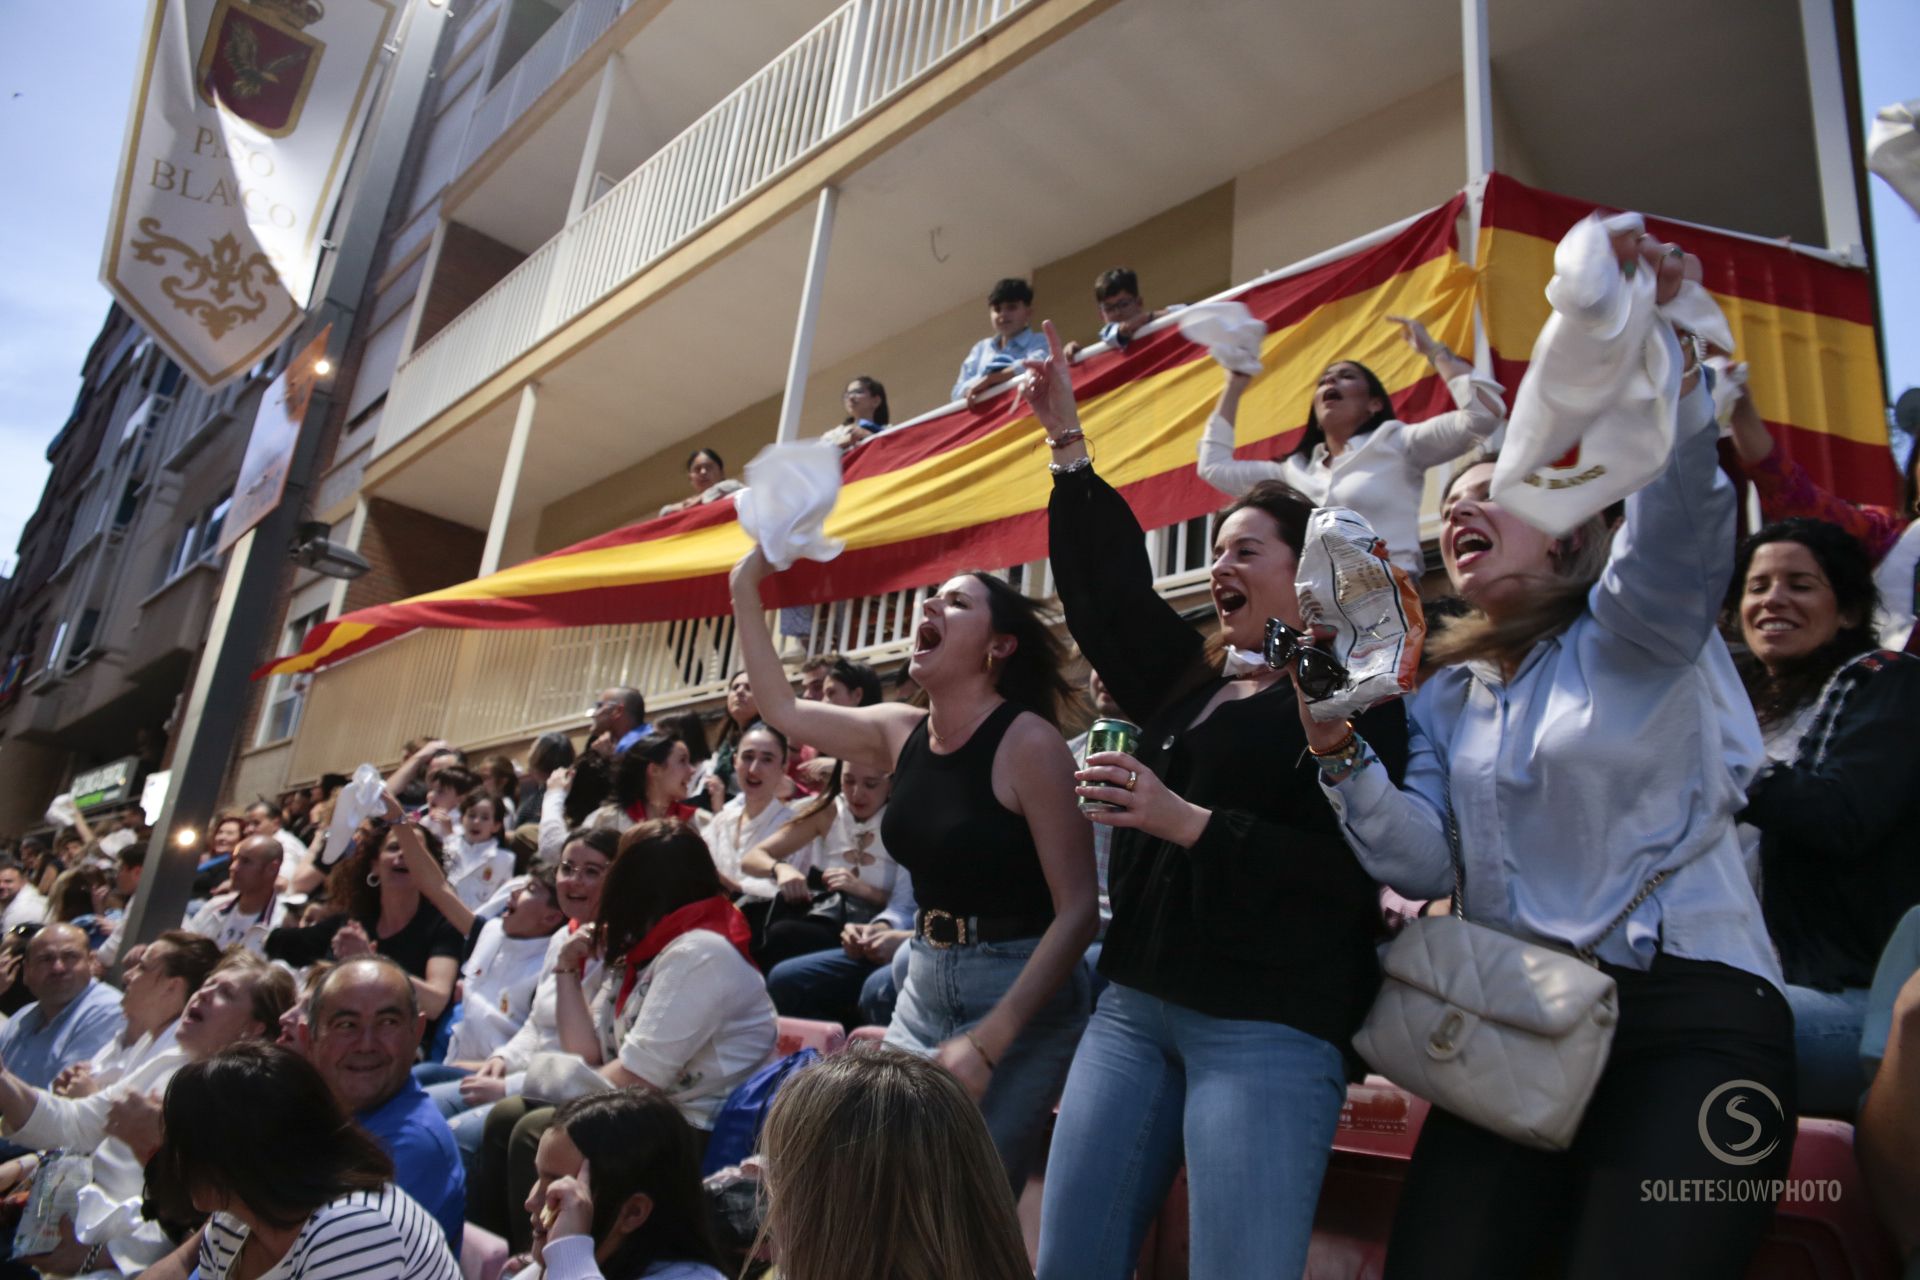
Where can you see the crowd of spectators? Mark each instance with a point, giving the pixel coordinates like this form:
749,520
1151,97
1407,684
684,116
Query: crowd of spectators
529,996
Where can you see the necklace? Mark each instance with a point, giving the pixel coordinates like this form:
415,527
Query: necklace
940,739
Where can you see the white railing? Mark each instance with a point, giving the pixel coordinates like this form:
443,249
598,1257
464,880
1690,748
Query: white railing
558,48
863,53
481,689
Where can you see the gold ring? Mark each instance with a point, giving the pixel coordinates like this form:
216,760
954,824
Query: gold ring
1133,776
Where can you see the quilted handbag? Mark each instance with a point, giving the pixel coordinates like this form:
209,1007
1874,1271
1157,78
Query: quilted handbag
1507,1034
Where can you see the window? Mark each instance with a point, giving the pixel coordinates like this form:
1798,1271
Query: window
287,695
198,539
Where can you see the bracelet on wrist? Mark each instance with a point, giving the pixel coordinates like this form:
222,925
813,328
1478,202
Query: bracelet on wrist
980,1049
1072,435
1346,741
1080,463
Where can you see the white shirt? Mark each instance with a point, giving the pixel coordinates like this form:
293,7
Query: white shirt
540,1033
363,1235
499,980
293,854
1380,474
117,1059
27,907
476,871
855,846
221,920
732,833
697,1023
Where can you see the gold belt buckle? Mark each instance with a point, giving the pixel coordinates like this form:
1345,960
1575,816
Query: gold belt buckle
959,923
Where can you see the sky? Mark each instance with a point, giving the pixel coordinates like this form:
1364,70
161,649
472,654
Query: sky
64,88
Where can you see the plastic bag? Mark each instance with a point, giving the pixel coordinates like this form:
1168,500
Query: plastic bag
1368,608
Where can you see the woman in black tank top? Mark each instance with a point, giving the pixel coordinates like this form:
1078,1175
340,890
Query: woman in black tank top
983,816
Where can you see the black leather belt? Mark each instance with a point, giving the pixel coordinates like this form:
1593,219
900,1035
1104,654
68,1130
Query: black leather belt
944,929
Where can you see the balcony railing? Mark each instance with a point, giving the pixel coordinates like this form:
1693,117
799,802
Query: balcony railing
862,54
558,48
480,689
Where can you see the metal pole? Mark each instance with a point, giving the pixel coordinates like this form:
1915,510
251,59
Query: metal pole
1832,141
217,702
802,357
509,479
1477,75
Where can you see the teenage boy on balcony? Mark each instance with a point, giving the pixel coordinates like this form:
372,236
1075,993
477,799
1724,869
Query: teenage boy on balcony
996,360
1123,313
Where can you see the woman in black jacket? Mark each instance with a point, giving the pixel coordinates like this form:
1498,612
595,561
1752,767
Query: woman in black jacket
1838,806
1241,952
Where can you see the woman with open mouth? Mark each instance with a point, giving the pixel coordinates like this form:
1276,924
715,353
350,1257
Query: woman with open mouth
1837,807
982,816
1240,955
1582,740
1354,452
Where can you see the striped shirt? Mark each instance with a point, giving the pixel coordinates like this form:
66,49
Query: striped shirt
363,1235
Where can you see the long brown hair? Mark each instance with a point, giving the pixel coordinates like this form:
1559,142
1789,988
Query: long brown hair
1032,677
1558,600
879,1167
663,865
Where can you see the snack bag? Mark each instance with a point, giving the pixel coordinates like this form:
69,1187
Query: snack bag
1365,611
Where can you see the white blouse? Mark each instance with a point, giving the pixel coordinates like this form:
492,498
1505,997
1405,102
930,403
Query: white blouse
732,833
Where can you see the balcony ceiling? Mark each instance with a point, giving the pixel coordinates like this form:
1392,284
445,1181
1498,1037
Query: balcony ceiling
687,58
1150,104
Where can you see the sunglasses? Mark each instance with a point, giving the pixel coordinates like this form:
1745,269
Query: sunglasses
1318,674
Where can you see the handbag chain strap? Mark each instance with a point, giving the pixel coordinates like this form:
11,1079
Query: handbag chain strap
1458,899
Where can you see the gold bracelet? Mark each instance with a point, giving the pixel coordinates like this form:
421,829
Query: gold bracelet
980,1049
1336,748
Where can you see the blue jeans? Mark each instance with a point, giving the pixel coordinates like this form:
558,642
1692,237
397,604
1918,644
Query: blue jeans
947,992
1251,1106
1826,1049
832,986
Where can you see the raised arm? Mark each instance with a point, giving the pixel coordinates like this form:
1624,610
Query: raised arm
794,835
871,736
1398,832
1478,408
1787,490
1217,465
427,873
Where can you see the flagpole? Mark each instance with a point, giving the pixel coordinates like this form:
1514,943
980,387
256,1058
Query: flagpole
210,722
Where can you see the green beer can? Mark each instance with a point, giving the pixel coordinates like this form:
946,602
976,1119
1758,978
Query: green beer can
1109,734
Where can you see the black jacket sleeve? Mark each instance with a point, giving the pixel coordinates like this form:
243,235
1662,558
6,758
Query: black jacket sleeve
1847,801
1133,638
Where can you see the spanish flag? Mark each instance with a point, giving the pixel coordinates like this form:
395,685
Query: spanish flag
1803,324
966,490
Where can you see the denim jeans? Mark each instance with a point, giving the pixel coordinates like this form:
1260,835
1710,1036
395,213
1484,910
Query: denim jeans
1826,1049
948,991
1250,1106
832,986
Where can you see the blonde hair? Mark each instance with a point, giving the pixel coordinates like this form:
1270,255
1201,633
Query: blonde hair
1560,597
879,1167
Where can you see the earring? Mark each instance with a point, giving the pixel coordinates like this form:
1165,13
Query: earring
990,662
373,880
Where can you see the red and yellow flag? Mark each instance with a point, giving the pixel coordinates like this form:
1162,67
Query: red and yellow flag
1802,323
969,490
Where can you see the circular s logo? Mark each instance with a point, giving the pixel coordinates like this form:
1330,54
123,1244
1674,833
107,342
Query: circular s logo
1741,1122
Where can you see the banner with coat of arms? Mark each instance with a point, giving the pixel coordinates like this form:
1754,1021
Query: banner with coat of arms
239,139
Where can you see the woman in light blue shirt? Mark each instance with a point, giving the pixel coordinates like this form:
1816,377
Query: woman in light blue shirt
1588,731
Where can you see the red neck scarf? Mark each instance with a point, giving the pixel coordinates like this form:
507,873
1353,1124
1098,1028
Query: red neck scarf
716,914
678,809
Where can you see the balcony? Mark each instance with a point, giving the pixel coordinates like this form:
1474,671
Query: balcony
558,48
862,55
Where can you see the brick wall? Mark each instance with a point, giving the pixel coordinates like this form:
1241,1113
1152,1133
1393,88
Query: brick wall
470,264
411,552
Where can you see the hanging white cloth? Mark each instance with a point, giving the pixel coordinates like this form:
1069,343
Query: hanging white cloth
1594,417
791,489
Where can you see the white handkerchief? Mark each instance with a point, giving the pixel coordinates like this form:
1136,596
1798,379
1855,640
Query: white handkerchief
791,489
1228,331
1893,149
1243,662
362,798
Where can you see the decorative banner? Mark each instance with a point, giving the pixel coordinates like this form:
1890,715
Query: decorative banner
1802,323
963,490
276,429
241,132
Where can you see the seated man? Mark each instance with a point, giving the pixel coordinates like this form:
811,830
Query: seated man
72,1017
1122,312
364,1028
22,902
265,819
254,909
157,979
996,360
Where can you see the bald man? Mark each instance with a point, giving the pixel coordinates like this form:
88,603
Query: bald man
254,909
72,1016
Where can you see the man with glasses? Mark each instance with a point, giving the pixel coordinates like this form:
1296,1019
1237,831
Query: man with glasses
619,720
1122,312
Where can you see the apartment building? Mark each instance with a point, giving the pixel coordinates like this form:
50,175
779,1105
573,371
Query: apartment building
638,226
